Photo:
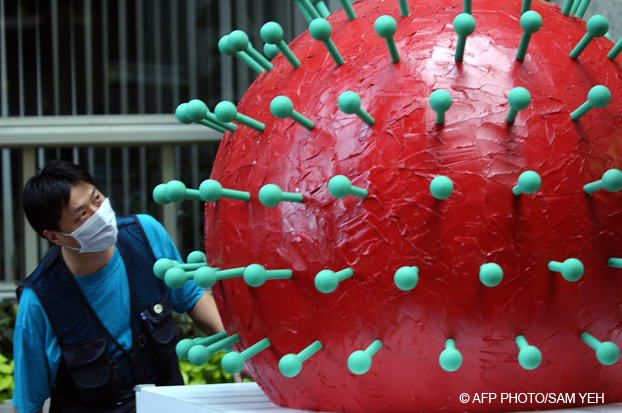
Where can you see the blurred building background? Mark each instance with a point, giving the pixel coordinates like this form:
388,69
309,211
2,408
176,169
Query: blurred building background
97,82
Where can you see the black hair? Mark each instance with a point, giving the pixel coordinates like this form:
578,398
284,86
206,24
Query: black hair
48,192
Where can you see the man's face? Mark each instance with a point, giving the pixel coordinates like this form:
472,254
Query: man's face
84,201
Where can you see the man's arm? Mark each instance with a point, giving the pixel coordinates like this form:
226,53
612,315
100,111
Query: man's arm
205,315
15,410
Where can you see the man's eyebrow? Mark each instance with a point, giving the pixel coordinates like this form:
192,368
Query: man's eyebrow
79,207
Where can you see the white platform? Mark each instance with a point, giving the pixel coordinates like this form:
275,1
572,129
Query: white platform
248,398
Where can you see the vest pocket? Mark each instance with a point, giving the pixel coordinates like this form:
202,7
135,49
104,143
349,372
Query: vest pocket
160,337
93,370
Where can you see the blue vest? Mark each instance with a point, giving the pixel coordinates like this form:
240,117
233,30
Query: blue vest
88,375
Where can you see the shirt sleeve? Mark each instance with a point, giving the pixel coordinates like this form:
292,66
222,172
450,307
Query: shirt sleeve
182,299
36,354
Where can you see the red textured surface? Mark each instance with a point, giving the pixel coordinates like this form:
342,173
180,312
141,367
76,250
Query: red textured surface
400,223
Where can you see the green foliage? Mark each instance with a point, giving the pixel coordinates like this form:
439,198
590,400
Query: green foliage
210,373
8,312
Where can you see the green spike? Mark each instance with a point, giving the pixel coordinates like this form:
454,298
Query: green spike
450,359
347,7
223,46
530,22
611,181
180,114
519,99
440,102
404,8
490,274
386,27
359,362
597,26
567,7
528,183
615,262
198,355
233,362
183,346
607,353
282,107
290,365
340,186
320,30
211,191
272,33
197,110
256,275
468,7
572,269
321,8
350,103
406,278
226,112
464,25
529,357
239,42
441,187
271,195
526,6
582,8
326,281
598,97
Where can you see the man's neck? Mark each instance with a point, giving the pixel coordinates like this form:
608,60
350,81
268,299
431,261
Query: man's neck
86,263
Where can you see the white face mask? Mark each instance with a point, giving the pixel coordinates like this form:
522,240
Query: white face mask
98,233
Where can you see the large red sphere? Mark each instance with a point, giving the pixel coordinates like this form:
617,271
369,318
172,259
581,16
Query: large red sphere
401,224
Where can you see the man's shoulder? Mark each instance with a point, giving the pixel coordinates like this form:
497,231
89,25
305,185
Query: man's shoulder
149,222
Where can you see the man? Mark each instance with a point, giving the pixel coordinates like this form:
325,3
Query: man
93,320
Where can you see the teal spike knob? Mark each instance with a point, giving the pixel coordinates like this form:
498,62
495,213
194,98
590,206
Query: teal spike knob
611,181
256,275
529,357
385,27
196,110
406,278
440,102
233,362
464,25
572,269
441,187
340,186
349,102
290,365
181,115
158,195
205,277
211,191
359,362
450,359
272,34
271,195
598,97
196,257
326,281
183,347
227,112
490,274
528,183
607,353
162,265
198,355
320,30
530,22
597,26
282,107
519,99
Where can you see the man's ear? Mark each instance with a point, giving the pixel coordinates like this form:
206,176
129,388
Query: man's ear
52,236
